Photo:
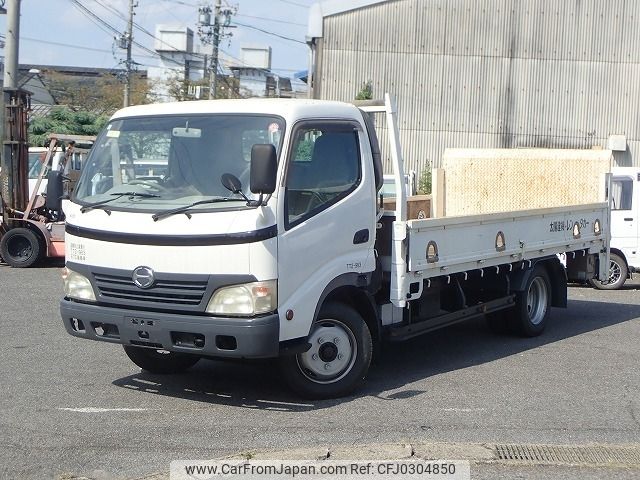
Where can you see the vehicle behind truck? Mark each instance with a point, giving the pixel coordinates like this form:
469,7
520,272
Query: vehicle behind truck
260,233
625,238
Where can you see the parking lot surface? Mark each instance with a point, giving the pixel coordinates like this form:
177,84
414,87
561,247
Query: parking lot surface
72,407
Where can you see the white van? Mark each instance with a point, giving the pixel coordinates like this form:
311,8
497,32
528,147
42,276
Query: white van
37,155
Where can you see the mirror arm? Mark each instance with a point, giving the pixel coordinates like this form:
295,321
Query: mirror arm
255,203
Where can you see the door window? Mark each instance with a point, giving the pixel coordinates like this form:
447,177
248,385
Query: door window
621,193
324,168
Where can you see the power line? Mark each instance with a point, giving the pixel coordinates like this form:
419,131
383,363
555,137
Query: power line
59,44
155,55
90,14
139,27
270,33
181,3
78,47
93,16
266,19
112,10
294,3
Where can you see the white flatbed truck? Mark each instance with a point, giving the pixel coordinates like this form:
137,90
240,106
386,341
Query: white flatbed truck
260,234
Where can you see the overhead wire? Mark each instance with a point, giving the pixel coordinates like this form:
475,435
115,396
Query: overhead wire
269,33
294,3
110,29
267,19
113,29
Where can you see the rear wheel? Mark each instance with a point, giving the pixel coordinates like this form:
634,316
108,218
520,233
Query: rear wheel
618,273
339,357
533,304
21,247
160,361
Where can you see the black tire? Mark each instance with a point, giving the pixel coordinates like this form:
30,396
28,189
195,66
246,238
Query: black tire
618,273
339,357
160,361
21,247
533,304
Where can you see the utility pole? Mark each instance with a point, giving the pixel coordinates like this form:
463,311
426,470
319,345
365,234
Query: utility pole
11,46
213,33
8,177
214,53
129,40
14,186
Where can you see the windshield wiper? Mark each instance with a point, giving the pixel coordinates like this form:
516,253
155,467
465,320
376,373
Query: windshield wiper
185,208
116,196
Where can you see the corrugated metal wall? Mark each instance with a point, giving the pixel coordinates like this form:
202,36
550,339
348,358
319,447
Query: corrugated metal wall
492,73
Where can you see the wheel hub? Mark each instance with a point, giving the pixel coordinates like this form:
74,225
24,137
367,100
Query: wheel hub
537,298
19,247
614,272
332,353
328,352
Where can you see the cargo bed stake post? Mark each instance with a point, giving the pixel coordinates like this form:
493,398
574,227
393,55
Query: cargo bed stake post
399,291
399,282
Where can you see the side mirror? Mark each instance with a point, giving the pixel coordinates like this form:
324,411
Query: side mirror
54,190
264,166
231,183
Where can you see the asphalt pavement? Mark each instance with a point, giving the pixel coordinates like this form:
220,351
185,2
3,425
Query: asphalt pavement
75,408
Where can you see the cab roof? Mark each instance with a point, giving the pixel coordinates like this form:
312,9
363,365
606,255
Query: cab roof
290,109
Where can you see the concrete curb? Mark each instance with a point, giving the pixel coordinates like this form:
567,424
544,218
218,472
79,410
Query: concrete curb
472,452
382,451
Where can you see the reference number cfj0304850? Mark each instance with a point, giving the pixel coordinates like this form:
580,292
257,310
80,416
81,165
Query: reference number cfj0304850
322,469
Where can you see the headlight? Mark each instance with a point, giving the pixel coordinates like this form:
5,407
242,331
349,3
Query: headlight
245,300
77,286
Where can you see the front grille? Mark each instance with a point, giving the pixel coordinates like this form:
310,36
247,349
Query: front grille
165,292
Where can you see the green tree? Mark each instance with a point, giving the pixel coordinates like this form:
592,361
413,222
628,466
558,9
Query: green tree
366,91
184,90
102,95
64,120
424,183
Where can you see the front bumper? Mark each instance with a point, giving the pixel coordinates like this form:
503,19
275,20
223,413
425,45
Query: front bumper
206,336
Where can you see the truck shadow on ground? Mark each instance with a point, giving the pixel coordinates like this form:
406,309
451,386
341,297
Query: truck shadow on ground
48,263
256,385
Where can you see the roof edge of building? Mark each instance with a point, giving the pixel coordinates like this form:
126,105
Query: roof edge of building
319,10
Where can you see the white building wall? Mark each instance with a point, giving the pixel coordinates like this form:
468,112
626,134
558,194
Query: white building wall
491,73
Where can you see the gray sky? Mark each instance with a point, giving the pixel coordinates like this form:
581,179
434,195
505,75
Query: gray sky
55,32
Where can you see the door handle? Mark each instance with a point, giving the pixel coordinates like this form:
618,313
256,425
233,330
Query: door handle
361,236
628,219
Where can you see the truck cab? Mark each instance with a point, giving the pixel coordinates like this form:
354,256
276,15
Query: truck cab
625,212
172,243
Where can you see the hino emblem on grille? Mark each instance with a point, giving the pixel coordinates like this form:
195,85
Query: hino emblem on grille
143,277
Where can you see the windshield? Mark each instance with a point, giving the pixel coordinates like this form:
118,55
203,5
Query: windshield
177,158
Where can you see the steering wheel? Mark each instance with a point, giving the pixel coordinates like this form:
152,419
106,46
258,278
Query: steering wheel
148,184
316,200
245,178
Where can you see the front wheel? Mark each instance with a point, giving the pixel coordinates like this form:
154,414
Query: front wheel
21,247
533,304
160,361
339,357
618,273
